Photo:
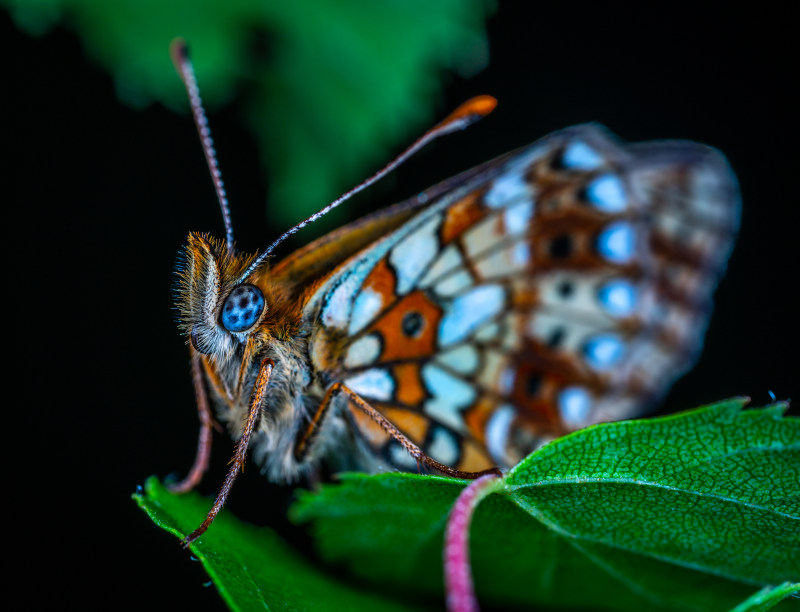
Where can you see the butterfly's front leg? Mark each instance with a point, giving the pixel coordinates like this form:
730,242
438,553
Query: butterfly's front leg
237,462
357,403
207,422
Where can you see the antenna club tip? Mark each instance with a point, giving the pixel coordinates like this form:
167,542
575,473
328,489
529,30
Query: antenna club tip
481,105
474,108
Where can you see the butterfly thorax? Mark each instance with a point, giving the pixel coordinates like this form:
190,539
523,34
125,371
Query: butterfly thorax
234,334
290,400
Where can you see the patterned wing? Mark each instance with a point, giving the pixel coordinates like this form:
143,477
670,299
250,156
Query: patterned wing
561,285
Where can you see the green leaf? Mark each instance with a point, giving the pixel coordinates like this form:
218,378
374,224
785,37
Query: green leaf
701,489
687,512
335,84
768,597
684,512
252,568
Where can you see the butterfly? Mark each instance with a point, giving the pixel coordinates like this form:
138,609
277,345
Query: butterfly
560,285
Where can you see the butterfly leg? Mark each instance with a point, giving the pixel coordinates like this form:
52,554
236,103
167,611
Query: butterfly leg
357,403
203,455
237,462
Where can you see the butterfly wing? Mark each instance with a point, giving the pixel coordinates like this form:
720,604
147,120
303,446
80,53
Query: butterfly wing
307,267
563,284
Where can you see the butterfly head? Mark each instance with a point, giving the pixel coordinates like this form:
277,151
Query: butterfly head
220,303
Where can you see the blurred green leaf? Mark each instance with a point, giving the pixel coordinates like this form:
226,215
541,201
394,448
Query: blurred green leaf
252,568
769,597
688,512
328,86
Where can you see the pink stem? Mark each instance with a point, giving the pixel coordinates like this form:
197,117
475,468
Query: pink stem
457,572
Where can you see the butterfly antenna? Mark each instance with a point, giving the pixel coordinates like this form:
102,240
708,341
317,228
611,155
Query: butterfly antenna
468,113
180,58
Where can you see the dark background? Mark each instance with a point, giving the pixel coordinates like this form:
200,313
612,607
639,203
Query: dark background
102,198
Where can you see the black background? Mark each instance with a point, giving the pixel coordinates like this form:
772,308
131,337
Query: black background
103,196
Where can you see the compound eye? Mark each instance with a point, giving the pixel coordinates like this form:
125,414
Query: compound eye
242,308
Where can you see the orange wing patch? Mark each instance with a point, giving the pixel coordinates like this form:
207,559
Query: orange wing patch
461,216
409,328
382,281
474,458
410,390
413,424
477,417
370,429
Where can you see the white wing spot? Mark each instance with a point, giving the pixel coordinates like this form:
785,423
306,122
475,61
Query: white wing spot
497,429
367,304
413,254
508,187
574,404
463,359
505,382
580,156
492,374
487,333
504,262
336,311
443,447
401,457
453,283
521,254
450,395
618,298
607,193
604,350
363,351
374,383
470,310
485,234
616,243
518,217
449,259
